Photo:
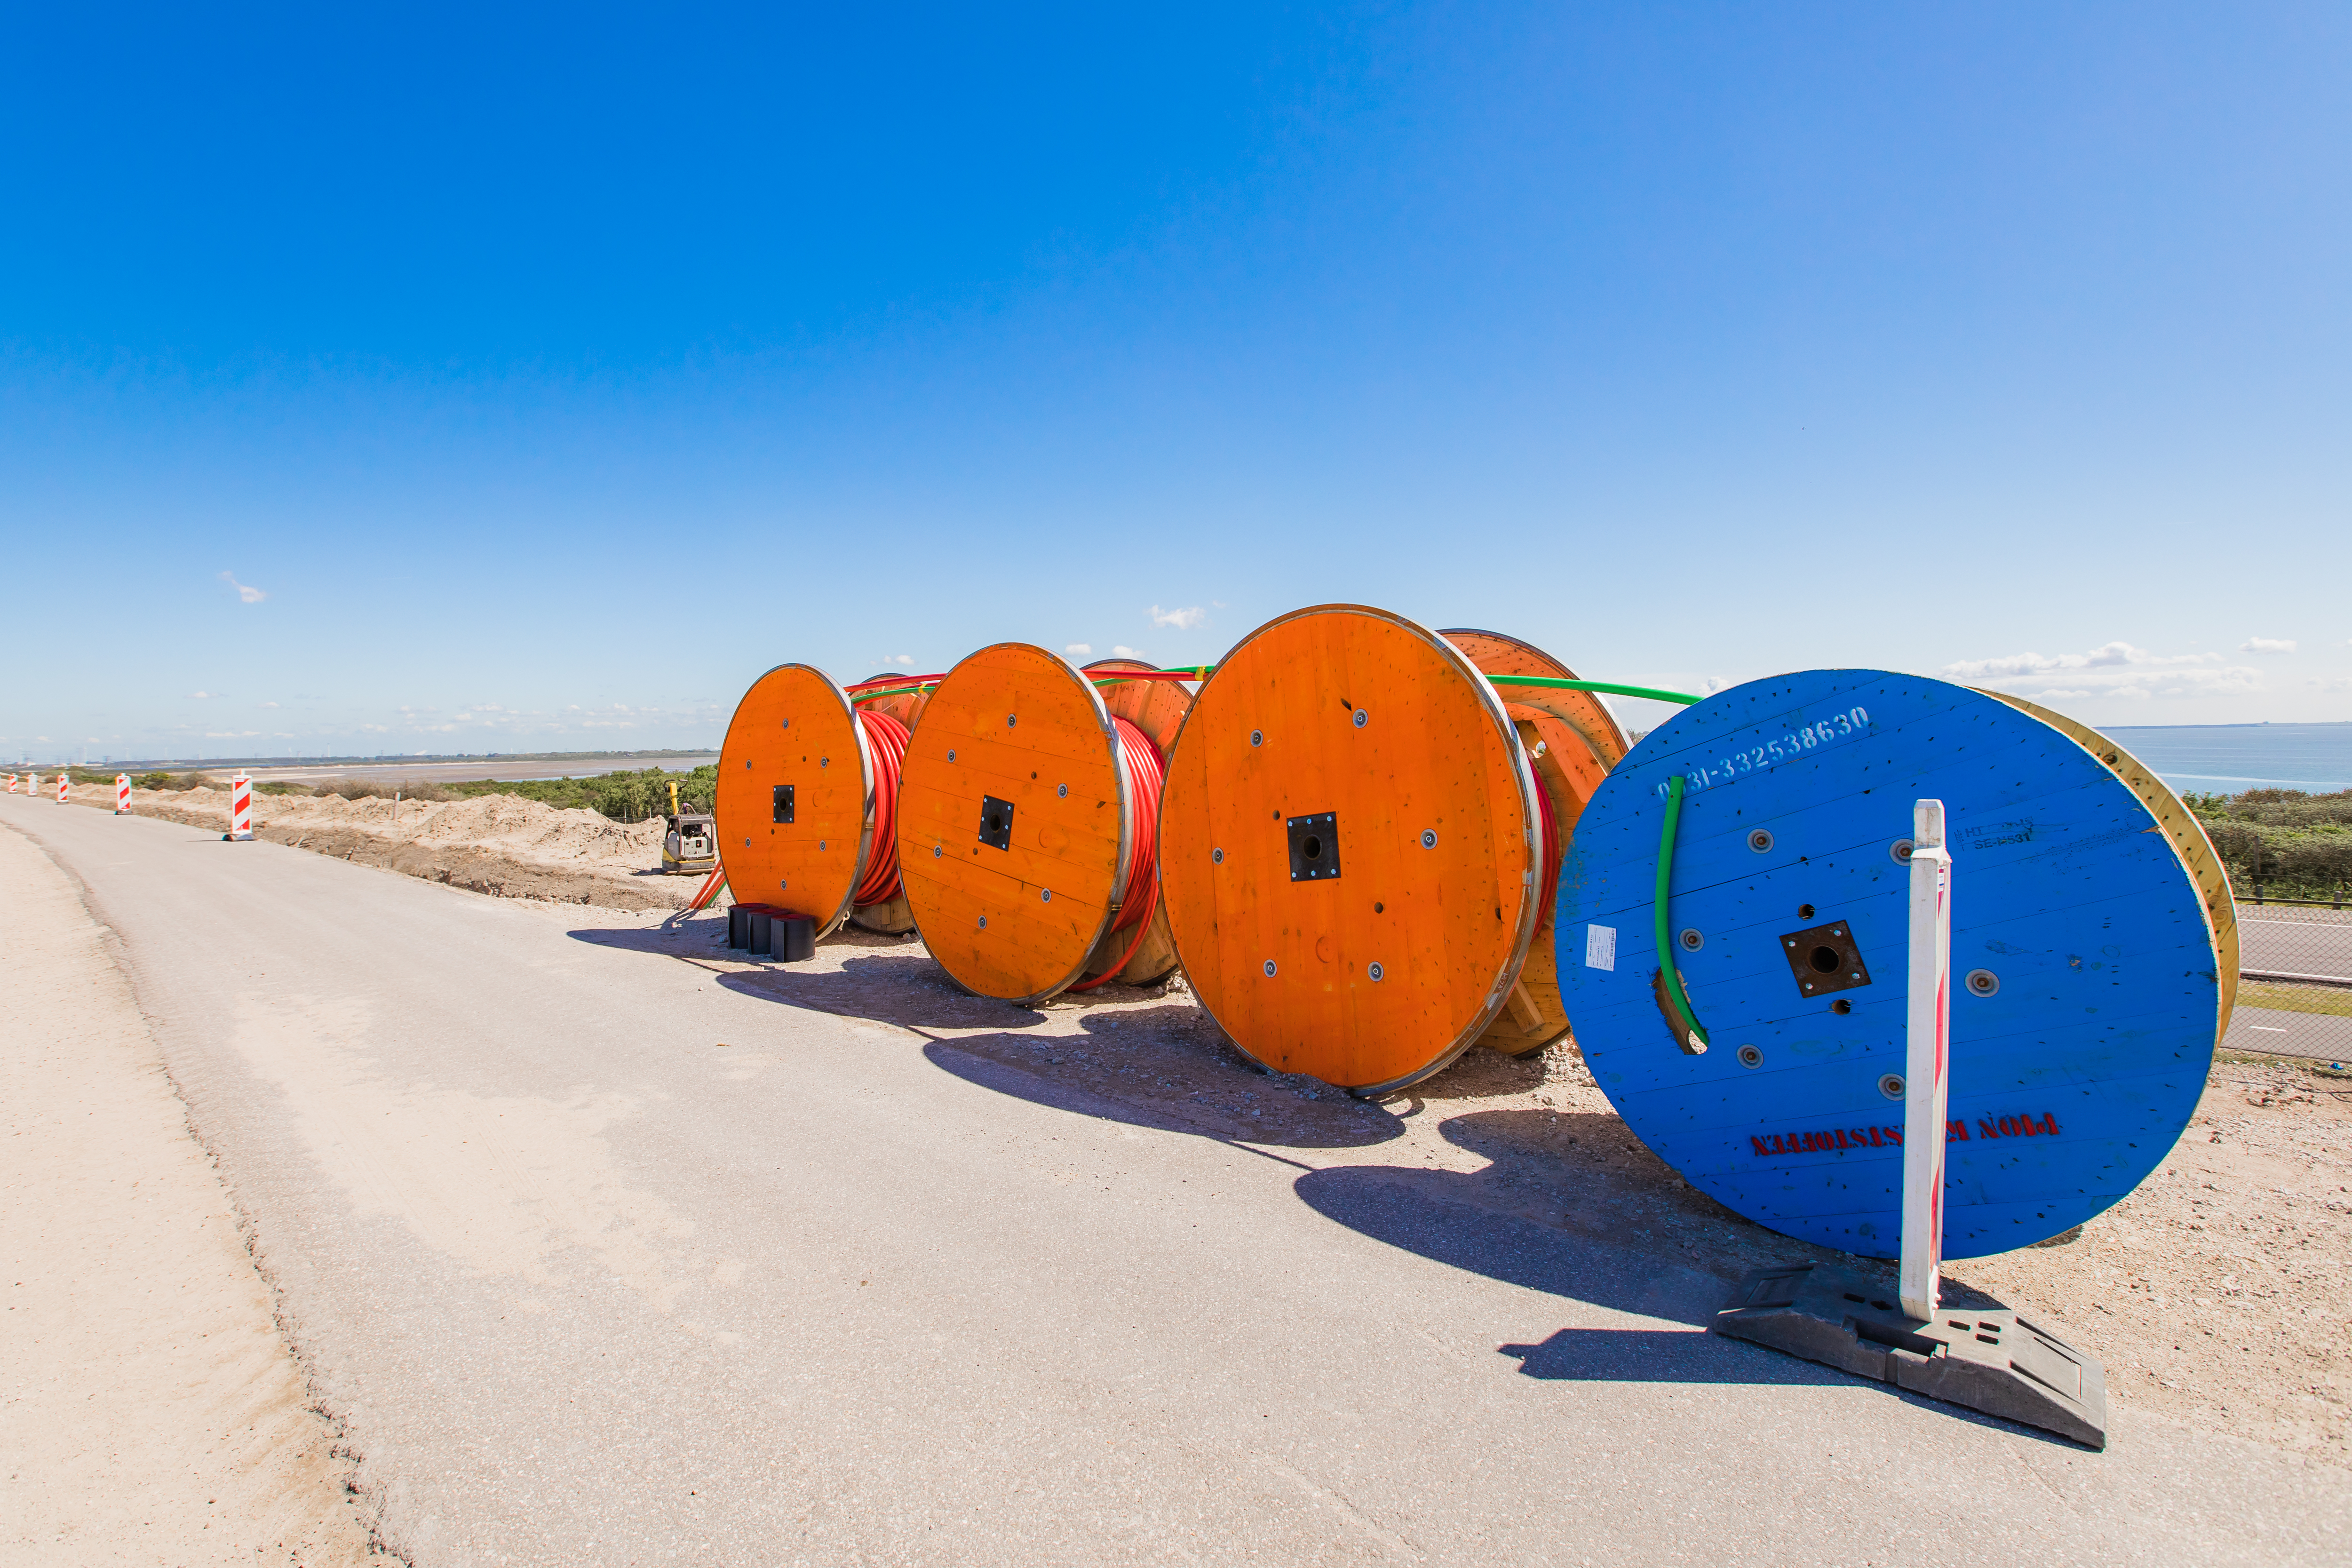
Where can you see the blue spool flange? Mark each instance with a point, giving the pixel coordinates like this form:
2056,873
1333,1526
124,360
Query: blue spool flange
2076,1063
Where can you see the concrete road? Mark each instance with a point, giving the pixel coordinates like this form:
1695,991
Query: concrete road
590,1288
2295,940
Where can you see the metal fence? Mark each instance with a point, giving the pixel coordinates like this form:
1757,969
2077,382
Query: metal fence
2294,987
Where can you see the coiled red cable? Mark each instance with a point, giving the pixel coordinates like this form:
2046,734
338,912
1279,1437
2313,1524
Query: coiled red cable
887,738
1548,825
1147,773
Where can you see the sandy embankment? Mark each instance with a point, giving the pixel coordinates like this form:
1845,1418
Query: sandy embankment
498,843
150,1410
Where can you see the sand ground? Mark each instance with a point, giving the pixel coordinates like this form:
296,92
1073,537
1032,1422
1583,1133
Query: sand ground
150,1409
503,844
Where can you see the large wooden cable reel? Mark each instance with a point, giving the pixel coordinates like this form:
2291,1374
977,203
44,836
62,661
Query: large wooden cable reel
1571,741
1348,849
1017,820
795,805
2085,988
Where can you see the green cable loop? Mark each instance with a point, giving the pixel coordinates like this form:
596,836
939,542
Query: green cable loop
1671,994
1557,684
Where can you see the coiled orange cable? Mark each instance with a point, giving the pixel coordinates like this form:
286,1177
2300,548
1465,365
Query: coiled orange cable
1147,773
887,738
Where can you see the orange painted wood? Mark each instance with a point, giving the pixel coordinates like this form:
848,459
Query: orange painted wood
1449,924
1021,724
794,727
1571,741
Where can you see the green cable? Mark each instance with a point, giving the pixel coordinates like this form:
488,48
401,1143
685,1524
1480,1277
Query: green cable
1671,989
1553,681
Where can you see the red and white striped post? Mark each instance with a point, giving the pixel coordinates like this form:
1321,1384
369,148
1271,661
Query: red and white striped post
12,784
1927,1089
122,795
64,782
240,808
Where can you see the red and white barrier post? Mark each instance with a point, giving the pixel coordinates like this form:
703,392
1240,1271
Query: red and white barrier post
1927,1089
12,784
122,795
64,782
240,808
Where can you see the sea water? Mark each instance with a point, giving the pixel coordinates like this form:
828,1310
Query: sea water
2228,759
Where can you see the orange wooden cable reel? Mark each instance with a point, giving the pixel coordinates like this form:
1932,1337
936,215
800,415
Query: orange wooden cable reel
1349,848
807,794
1571,741
1026,821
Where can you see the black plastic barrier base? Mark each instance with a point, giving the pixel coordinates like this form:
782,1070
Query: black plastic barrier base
765,933
1985,1357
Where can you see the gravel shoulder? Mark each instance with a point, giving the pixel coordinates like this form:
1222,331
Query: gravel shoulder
150,1409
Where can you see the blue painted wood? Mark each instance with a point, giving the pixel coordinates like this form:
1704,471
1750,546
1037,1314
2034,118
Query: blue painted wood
2069,1084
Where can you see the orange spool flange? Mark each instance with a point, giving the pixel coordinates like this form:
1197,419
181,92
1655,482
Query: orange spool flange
1017,822
799,787
1571,741
1348,849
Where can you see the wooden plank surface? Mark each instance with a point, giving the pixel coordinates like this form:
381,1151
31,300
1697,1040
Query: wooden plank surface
795,727
2181,826
1448,924
1046,898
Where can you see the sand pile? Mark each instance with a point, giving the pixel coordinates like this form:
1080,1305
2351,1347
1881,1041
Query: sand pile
498,844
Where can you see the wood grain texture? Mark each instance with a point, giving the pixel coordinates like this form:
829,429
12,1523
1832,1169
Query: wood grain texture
1449,925
795,727
1022,725
1571,741
2179,824
893,917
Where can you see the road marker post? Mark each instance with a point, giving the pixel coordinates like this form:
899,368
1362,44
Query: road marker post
1926,1095
240,808
122,795
12,784
65,782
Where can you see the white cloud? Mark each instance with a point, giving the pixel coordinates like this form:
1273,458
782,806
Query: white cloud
1120,650
1079,649
1182,620
269,705
2113,669
201,694
2267,645
907,658
249,595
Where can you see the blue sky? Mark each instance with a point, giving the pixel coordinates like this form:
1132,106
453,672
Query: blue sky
405,379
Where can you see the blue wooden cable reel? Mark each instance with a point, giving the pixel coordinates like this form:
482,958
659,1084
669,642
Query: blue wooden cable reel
2085,995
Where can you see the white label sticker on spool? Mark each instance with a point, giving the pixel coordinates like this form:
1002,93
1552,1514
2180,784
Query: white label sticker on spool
1600,947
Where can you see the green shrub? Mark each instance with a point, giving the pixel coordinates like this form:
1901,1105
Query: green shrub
2290,843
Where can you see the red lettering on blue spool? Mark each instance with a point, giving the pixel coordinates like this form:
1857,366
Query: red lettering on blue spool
1834,1140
